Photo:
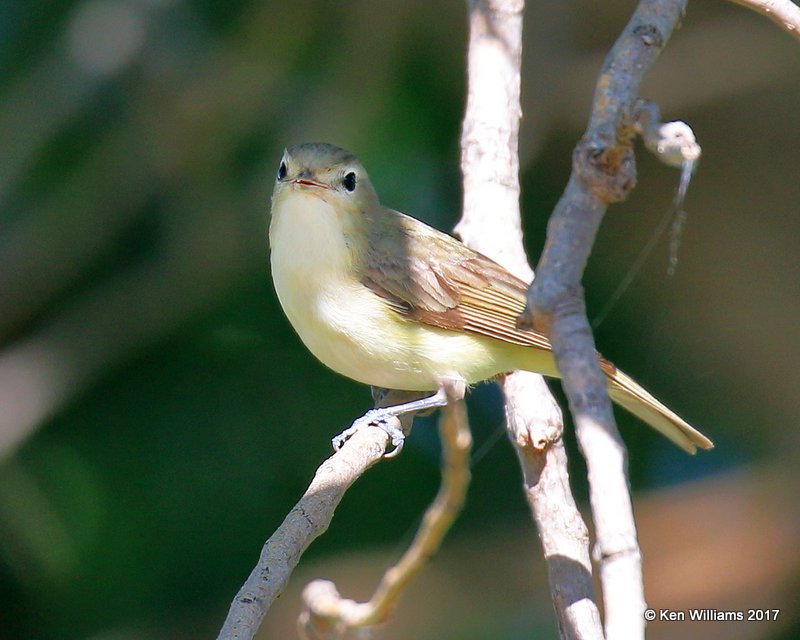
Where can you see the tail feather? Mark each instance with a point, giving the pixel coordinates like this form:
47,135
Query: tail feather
627,393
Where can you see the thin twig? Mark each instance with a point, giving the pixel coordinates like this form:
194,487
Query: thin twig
490,223
327,614
603,172
784,13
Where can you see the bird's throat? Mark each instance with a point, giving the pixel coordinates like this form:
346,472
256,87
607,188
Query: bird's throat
307,236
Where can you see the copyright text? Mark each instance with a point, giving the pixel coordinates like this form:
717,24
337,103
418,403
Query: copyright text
711,615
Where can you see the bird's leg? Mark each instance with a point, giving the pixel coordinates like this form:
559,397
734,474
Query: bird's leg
380,418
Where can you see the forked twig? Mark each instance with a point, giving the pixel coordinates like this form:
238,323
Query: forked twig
327,614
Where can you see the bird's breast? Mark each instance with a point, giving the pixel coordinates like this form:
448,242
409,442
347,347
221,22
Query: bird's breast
340,320
345,324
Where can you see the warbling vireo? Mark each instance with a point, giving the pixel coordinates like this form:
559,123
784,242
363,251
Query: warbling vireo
385,299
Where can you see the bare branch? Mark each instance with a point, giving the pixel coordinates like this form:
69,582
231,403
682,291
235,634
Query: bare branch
564,537
327,614
784,13
308,519
603,172
490,223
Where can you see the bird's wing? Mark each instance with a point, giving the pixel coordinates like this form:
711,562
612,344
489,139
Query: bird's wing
465,291
469,292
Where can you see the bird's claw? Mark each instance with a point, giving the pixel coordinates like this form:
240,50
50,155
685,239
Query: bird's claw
374,418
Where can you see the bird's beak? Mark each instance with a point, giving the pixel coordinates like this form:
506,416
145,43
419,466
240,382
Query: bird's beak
305,182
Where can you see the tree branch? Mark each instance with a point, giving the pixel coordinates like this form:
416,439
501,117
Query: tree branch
490,223
327,614
603,172
562,531
784,13
308,520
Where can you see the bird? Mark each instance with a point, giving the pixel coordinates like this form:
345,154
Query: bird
389,301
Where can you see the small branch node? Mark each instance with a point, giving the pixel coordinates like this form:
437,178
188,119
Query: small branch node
607,166
533,418
649,35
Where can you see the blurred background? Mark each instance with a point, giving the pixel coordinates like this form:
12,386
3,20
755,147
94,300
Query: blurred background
158,416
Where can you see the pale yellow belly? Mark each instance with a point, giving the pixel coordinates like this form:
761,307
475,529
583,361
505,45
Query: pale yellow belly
352,331
349,329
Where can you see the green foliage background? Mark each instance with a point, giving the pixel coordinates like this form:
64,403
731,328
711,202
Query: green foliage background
158,415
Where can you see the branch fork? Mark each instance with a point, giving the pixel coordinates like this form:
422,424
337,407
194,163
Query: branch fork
327,614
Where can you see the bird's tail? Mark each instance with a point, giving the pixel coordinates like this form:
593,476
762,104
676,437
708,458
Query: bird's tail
627,393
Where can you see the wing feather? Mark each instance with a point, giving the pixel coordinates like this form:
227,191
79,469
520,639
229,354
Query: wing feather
468,292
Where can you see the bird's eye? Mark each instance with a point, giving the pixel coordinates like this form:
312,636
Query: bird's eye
349,182
282,171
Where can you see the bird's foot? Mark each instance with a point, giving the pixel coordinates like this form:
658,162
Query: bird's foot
381,418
